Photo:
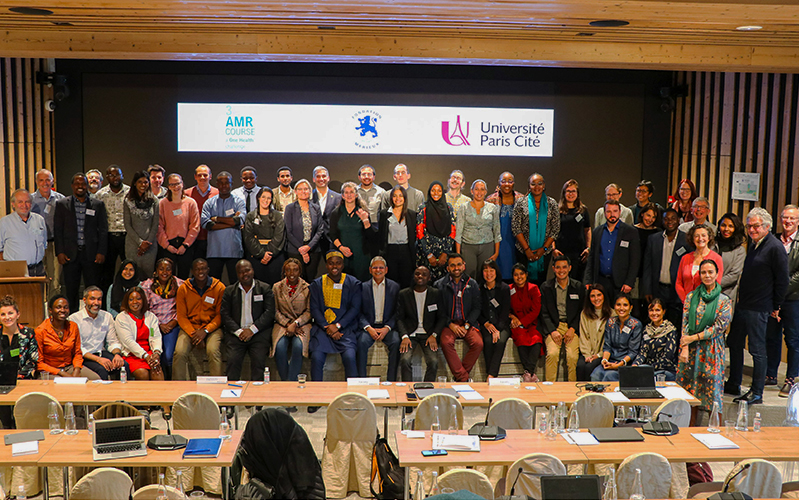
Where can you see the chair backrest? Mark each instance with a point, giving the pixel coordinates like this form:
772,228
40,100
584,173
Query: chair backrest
676,411
351,417
195,411
469,480
762,479
594,410
424,412
117,410
105,483
511,413
533,467
150,492
31,409
655,475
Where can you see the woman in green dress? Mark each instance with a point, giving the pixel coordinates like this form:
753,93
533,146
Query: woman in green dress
351,232
706,317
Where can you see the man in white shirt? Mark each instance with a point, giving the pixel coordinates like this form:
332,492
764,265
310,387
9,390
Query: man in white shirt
700,209
613,192
44,200
454,195
377,321
102,352
23,234
249,188
402,176
370,192
284,194
327,199
420,320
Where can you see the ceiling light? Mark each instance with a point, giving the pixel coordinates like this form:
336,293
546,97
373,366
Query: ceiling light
752,27
31,11
609,23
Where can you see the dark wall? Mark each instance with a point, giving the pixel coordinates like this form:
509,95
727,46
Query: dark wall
608,126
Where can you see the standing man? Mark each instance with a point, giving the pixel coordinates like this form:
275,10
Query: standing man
95,179
764,282
561,305
284,193
249,189
370,192
787,321
44,200
613,192
248,310
454,195
377,321
402,177
198,302
700,209
615,253
420,320
23,235
81,238
113,196
157,174
661,264
327,200
223,215
98,338
643,196
460,297
200,193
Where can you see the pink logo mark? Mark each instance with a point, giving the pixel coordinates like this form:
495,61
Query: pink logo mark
457,137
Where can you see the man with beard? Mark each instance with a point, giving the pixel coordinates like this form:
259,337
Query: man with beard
95,178
370,192
222,215
284,194
98,339
454,195
615,253
113,195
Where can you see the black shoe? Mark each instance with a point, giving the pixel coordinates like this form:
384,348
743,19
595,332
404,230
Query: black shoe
732,390
409,409
743,397
771,381
751,398
313,409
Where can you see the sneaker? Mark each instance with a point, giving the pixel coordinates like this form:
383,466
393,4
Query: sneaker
786,389
771,381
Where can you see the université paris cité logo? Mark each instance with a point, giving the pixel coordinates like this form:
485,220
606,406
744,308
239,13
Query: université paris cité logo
366,123
455,134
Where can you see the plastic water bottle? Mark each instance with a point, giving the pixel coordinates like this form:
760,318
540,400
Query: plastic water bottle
436,425
267,376
123,375
224,425
454,420
70,428
638,487
419,494
552,431
561,417
434,489
161,493
90,425
179,485
757,423
574,420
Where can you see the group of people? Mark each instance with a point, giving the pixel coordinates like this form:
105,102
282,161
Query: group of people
414,272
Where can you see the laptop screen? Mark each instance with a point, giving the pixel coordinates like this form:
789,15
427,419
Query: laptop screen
634,377
118,431
570,487
8,372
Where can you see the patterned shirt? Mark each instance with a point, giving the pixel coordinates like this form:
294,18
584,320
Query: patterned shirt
307,225
281,201
46,208
80,217
113,207
457,297
458,202
164,309
521,220
476,229
22,345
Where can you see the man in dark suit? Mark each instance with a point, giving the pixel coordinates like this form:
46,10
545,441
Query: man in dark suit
615,254
80,236
377,320
327,200
248,309
658,281
561,304
419,335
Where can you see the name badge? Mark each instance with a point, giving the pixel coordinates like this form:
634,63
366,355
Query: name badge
90,211
574,296
626,329
257,298
47,209
513,291
579,217
338,286
624,244
177,212
210,300
264,242
460,294
680,251
229,212
494,303
14,353
432,307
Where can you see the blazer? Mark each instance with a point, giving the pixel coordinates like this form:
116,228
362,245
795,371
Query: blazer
503,311
471,299
292,217
793,270
434,319
294,308
263,311
65,228
626,259
382,230
653,257
333,199
270,227
367,316
125,328
549,317
367,234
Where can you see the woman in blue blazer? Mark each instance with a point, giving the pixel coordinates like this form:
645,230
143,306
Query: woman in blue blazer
305,229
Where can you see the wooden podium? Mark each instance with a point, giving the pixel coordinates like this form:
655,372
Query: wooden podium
29,292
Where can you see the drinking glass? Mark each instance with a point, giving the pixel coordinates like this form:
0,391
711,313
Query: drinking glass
620,415
70,428
729,428
52,416
442,381
660,379
644,414
45,378
301,378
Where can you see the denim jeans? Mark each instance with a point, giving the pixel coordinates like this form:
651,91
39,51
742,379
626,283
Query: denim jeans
288,368
601,375
789,327
169,340
392,342
752,324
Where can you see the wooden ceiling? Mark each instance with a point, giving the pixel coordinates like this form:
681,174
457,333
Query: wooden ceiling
691,34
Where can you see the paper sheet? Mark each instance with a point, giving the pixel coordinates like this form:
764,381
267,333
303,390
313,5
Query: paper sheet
675,392
231,393
715,441
377,394
70,380
616,397
471,395
580,438
462,387
26,448
453,442
414,434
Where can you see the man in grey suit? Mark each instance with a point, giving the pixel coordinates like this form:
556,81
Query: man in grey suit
615,253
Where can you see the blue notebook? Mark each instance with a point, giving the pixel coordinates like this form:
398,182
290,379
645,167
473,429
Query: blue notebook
202,448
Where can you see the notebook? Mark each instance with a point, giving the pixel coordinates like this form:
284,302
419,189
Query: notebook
615,434
203,448
570,487
638,382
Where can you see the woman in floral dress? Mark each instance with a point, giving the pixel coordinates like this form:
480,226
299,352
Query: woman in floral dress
435,232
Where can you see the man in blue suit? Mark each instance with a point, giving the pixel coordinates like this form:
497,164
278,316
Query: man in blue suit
657,281
326,199
377,321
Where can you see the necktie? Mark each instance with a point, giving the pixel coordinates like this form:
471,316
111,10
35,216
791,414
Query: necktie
247,199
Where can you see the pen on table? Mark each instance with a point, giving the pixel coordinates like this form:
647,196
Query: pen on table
235,385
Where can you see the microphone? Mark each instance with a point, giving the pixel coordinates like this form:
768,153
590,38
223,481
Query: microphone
487,432
518,475
490,402
521,472
169,441
735,495
727,483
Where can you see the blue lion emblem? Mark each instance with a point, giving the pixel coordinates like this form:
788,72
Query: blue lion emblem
367,126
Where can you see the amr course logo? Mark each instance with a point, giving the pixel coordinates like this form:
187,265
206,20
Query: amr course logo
366,134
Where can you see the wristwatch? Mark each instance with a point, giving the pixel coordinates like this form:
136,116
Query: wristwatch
338,325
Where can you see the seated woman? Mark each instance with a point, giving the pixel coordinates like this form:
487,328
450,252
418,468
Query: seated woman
494,316
659,346
593,319
16,342
525,305
622,342
58,340
292,330
161,291
139,333
126,278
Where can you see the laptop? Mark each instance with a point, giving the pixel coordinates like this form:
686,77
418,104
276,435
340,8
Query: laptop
616,434
638,382
13,268
8,376
585,487
118,438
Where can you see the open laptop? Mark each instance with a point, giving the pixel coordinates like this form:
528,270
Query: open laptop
585,487
423,393
638,382
13,268
8,376
118,438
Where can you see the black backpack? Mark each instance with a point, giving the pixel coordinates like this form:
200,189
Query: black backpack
386,469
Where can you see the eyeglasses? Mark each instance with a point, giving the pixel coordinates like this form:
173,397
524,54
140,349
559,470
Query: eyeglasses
754,226
175,184
506,181
571,191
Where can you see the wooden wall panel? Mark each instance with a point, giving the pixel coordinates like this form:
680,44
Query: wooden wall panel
26,127
737,122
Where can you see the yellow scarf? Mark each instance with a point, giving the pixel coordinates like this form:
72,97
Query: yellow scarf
332,296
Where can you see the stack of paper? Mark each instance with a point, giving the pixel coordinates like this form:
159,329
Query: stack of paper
468,393
675,392
715,442
26,448
454,442
377,394
231,393
70,380
580,438
616,397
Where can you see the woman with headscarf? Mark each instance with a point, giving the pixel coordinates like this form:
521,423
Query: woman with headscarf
536,225
435,232
141,217
126,278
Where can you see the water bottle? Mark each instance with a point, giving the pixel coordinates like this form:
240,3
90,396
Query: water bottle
620,418
123,375
90,425
713,423
611,493
434,489
561,422
55,422
179,485
743,417
419,494
638,487
757,423
574,420
552,431
161,492
224,425
454,420
21,493
267,377
70,428
436,425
